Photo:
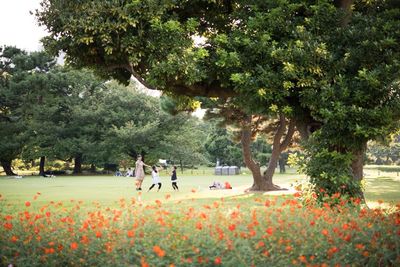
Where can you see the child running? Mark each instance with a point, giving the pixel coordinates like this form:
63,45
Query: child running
156,178
174,179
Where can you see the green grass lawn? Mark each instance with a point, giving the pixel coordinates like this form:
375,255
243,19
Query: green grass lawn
108,190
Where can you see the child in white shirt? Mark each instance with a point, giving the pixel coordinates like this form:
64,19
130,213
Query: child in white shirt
156,178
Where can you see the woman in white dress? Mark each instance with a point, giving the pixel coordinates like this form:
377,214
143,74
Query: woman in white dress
139,172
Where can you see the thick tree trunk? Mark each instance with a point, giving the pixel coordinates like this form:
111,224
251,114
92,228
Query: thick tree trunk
41,166
259,183
264,182
7,167
78,163
277,148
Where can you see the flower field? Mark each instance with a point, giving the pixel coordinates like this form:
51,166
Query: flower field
253,230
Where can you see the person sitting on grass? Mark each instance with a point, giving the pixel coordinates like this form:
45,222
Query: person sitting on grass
228,185
129,173
156,178
216,185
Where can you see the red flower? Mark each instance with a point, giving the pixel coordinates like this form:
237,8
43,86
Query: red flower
27,203
98,234
218,260
232,227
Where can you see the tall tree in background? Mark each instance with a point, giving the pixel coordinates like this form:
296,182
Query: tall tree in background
21,75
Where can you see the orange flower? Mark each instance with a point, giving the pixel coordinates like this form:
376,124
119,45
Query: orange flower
84,239
303,259
74,245
131,233
160,253
49,250
324,232
167,196
297,194
193,190
143,262
98,234
269,231
8,226
218,260
14,239
199,225
232,227
27,203
360,246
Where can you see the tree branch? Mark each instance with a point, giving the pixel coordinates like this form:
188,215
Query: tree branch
288,136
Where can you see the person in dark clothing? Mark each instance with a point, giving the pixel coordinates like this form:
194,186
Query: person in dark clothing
174,178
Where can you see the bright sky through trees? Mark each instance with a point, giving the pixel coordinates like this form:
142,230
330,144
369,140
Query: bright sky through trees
18,27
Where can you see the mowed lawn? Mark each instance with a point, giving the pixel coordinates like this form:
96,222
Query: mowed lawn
108,190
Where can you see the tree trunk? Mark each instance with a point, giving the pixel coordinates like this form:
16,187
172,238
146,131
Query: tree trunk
6,164
180,163
264,182
92,168
78,164
41,166
357,167
282,163
259,183
277,148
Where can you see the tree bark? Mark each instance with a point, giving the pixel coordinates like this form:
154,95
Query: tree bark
281,163
263,182
357,168
7,166
277,148
259,183
78,164
41,166
181,164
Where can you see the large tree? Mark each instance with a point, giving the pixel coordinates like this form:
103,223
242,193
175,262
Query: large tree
21,76
304,60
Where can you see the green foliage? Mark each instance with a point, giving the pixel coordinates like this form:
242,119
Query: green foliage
329,171
21,76
384,152
220,146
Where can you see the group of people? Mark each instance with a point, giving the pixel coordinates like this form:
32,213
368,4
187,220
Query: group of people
139,174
